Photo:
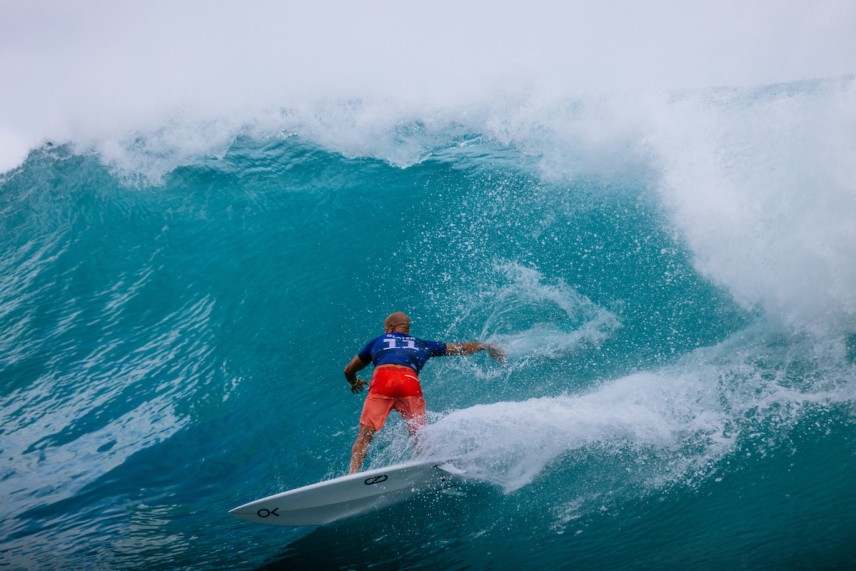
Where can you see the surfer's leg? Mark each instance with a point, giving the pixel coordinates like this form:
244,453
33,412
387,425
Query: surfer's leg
412,409
375,410
361,447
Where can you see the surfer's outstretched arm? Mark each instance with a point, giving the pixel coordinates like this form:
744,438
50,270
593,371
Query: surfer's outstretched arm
470,347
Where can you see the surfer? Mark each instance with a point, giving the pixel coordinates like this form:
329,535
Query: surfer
398,357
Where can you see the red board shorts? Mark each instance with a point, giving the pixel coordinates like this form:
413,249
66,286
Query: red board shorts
398,388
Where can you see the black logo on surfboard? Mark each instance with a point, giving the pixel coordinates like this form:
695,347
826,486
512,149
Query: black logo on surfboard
267,513
375,480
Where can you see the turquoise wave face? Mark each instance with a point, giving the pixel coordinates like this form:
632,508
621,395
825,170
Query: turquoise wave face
169,351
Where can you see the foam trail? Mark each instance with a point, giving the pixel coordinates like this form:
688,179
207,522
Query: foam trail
686,417
510,443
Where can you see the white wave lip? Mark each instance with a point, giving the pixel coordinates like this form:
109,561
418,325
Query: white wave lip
99,72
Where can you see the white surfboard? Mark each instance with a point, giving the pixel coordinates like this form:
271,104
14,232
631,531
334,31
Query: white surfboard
349,495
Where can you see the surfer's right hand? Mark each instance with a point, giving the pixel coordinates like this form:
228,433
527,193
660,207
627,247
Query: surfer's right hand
358,386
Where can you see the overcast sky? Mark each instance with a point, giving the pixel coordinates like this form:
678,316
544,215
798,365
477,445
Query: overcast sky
70,67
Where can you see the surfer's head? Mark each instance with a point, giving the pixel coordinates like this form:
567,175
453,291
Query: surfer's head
397,322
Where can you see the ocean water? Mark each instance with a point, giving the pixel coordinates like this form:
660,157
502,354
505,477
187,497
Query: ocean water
672,277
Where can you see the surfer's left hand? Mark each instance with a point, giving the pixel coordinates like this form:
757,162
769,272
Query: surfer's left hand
495,352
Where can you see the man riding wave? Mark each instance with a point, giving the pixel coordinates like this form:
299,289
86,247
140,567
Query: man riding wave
398,358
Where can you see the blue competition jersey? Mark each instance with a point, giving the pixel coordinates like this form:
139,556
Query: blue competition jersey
401,349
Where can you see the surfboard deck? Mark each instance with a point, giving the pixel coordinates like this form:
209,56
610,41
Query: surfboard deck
331,500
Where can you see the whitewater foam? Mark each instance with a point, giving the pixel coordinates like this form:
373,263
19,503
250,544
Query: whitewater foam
684,419
760,185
